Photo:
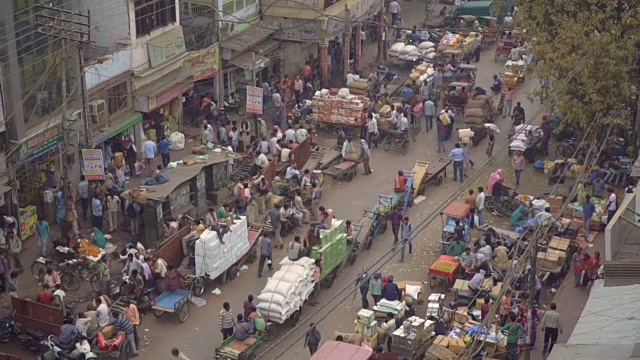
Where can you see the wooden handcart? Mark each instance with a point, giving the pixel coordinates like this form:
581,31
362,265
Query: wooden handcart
232,349
419,175
346,168
173,302
443,271
436,171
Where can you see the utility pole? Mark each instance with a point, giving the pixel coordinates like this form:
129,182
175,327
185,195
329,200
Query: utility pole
72,29
533,256
253,83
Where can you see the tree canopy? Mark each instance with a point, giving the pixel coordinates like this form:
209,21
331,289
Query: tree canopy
597,42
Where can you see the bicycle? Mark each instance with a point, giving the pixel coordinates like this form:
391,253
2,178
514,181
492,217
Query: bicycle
501,206
73,271
195,284
270,330
39,267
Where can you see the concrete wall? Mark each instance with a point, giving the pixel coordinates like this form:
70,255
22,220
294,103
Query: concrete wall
619,231
295,55
119,63
109,21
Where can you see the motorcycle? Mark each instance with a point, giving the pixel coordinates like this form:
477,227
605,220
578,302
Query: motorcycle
81,350
34,340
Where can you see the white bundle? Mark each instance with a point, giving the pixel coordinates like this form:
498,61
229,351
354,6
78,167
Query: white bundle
430,56
291,277
343,92
395,49
408,49
303,261
212,258
270,297
426,45
427,51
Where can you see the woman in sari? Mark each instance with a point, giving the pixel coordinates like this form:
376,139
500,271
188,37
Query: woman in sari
579,265
98,238
493,178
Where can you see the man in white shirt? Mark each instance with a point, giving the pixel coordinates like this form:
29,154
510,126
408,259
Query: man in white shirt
480,205
285,154
149,150
113,206
372,129
394,10
612,204
403,123
290,134
429,111
301,135
393,117
476,281
508,20
103,313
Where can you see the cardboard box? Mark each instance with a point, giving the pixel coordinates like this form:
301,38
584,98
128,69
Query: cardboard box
562,255
559,243
442,341
555,200
576,224
461,316
568,213
442,353
546,260
456,345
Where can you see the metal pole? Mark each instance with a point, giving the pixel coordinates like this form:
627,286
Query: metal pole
532,292
65,131
88,136
253,83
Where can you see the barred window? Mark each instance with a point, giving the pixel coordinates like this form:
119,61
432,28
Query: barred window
153,14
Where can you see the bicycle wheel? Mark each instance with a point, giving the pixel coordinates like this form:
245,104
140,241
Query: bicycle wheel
386,143
270,333
95,284
493,206
198,286
414,133
39,270
404,147
70,281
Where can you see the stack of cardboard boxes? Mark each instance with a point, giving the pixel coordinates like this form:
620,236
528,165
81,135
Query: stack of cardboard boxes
435,305
332,247
366,326
345,110
413,334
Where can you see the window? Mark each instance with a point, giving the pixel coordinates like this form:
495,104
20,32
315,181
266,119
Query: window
118,98
153,14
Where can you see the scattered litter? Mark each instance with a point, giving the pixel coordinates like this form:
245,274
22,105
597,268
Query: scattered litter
198,301
146,329
419,199
216,291
244,267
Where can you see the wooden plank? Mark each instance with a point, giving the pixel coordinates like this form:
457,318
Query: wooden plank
419,172
171,249
329,157
33,315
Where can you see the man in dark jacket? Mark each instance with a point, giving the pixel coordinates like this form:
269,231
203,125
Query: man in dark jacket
390,291
363,284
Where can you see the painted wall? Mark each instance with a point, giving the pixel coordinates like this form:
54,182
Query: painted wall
109,21
119,63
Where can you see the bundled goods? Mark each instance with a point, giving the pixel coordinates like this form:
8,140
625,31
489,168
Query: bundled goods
426,45
450,39
385,111
465,135
89,250
343,92
474,120
510,80
408,49
287,289
338,109
395,49
213,258
475,113
445,119
444,266
414,76
386,306
478,104
332,247
413,333
480,97
365,323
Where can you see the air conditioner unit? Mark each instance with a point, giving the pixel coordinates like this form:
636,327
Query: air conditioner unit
98,109
76,116
229,27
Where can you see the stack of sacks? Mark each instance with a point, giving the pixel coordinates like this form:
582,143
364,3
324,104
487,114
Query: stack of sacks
477,110
510,80
358,87
385,306
426,45
409,52
395,49
337,109
287,289
213,258
519,142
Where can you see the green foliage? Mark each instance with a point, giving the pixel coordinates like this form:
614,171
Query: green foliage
595,39
496,7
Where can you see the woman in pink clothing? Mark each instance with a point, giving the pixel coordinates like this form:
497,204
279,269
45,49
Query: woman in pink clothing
495,176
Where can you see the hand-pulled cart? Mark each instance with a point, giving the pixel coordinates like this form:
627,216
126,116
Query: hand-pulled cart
397,138
173,301
232,349
443,271
346,168
437,172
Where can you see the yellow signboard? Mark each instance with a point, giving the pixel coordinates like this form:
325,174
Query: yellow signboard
205,62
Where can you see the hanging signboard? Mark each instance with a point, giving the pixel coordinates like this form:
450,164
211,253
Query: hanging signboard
254,100
93,164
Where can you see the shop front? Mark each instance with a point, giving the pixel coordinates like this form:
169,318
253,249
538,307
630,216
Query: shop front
161,104
126,127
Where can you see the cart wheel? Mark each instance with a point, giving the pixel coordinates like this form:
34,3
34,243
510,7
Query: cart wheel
433,281
329,280
183,312
352,258
439,180
414,134
404,147
198,286
157,313
383,229
125,354
350,176
295,317
251,357
386,143
368,241
233,273
270,332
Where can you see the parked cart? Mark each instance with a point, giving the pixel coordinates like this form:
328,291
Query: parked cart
335,249
232,349
443,271
173,302
346,168
419,175
437,172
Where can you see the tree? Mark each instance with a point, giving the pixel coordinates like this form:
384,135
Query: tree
593,41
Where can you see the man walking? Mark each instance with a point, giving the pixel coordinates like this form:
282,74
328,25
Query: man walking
480,205
276,223
96,211
429,111
394,10
83,191
124,325
265,254
312,339
457,154
113,207
588,209
550,324
149,150
396,219
365,154
163,148
471,201
518,165
612,204
442,132
226,321
43,232
363,284
405,232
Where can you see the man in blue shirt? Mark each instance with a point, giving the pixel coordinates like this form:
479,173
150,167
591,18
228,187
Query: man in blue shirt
406,94
588,209
149,151
163,148
457,154
96,211
243,329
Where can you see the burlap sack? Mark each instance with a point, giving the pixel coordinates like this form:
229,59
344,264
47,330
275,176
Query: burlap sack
476,104
480,97
475,113
474,120
360,85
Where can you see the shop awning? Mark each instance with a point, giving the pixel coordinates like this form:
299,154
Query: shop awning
163,90
266,46
118,125
245,61
165,83
249,38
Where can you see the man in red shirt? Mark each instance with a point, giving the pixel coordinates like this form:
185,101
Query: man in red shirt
45,296
400,183
306,72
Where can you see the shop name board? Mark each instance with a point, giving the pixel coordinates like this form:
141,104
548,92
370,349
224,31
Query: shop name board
40,143
205,62
166,46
